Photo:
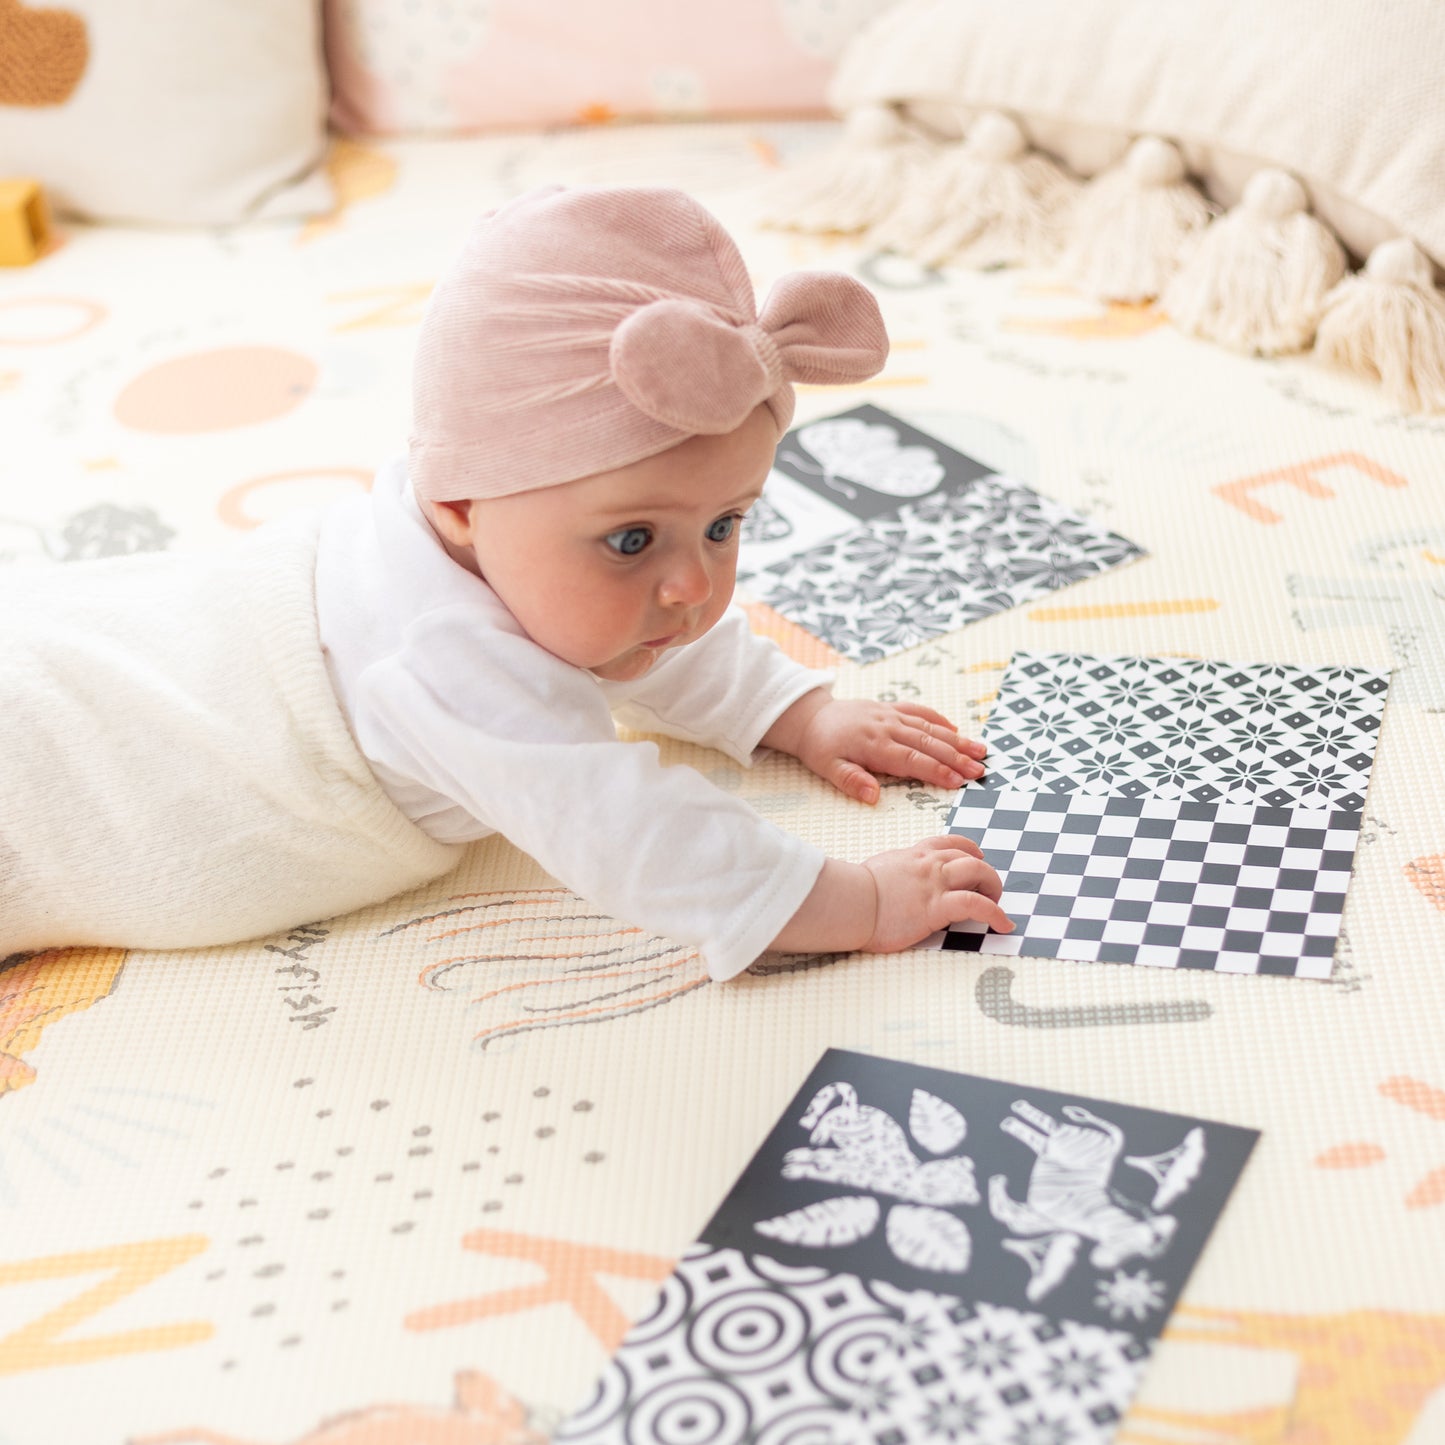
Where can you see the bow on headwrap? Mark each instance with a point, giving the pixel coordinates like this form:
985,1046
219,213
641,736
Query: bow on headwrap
585,329
684,365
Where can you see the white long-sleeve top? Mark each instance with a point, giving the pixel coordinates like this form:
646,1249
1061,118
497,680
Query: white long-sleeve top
472,729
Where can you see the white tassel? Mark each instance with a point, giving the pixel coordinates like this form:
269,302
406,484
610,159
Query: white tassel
990,201
1389,322
855,184
1132,222
1256,279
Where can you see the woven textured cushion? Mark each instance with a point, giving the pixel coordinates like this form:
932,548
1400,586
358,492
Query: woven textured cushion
1343,93
163,112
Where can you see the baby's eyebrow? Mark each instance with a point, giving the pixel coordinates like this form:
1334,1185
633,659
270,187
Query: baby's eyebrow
654,506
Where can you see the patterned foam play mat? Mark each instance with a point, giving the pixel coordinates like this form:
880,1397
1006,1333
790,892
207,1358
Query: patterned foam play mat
419,1171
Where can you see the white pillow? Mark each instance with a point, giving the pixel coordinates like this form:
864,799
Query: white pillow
189,111
1348,95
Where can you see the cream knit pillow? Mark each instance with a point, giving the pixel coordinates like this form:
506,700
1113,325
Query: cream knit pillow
1348,95
190,111
1230,148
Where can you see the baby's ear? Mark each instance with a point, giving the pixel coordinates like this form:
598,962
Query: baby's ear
452,520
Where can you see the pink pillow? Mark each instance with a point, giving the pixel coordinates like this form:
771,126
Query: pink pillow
449,65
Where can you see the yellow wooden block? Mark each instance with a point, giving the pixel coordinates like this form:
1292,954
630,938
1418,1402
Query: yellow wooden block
24,222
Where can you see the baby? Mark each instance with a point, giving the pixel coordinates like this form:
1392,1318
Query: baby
208,748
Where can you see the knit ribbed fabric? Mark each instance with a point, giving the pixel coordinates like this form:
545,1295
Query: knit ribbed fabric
584,329
175,767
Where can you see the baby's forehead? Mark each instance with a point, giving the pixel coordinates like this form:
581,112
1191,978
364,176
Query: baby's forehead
608,498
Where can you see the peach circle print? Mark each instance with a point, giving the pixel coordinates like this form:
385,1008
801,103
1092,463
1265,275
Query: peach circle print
216,390
259,499
47,320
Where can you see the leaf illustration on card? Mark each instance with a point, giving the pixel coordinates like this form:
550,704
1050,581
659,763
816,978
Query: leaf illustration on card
829,1222
852,450
935,1123
928,1238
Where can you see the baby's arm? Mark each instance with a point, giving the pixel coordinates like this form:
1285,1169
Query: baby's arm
896,900
847,742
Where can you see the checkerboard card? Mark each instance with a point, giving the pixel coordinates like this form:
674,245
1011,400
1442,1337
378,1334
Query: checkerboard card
1236,887
875,536
917,1255
1179,812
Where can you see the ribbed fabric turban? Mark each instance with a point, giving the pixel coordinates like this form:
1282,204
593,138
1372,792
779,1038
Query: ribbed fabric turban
585,328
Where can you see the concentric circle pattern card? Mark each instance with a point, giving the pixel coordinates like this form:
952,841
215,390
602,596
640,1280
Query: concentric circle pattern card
915,1254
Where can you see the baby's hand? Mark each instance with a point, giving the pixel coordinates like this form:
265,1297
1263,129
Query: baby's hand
846,743
928,886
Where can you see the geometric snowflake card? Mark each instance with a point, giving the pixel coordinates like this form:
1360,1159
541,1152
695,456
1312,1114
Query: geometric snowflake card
1053,1203
1187,728
1175,812
875,536
916,1255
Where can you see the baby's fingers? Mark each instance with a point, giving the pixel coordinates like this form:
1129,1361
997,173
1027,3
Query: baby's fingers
968,907
936,723
972,875
932,755
954,842
853,781
917,709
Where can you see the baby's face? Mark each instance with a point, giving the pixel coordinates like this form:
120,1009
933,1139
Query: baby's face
609,572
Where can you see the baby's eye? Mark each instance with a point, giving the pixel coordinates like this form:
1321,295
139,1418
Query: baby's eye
630,540
722,529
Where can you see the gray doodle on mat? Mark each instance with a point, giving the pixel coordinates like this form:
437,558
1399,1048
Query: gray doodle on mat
104,530
1408,607
994,995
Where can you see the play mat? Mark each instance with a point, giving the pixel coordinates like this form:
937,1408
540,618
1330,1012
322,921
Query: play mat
408,1175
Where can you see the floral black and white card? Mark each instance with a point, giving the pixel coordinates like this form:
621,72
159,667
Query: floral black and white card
1180,812
917,1255
874,536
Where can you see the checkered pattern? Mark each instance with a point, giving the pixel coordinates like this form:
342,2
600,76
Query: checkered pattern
1235,887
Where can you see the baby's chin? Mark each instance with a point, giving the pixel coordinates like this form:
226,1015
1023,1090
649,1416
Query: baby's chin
629,667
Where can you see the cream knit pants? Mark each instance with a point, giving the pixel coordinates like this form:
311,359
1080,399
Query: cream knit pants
175,769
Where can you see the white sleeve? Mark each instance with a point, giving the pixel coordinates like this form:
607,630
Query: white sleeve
545,768
725,690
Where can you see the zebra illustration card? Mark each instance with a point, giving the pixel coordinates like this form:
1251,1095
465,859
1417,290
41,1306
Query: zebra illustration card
874,536
916,1254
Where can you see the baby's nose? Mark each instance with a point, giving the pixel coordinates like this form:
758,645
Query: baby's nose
687,584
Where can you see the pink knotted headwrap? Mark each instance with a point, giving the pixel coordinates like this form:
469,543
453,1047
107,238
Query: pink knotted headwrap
584,329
